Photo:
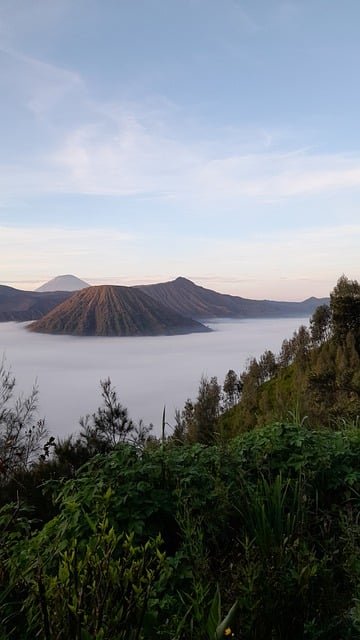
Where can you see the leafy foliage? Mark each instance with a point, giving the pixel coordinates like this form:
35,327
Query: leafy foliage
268,519
100,587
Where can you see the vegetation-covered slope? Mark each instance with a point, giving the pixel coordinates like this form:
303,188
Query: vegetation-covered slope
114,311
199,535
316,374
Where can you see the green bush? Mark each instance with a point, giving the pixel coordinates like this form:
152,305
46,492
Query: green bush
268,520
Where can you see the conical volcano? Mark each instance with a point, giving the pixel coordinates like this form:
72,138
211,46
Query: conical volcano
114,311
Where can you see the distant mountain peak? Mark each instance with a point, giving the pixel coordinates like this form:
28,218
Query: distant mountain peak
182,279
65,282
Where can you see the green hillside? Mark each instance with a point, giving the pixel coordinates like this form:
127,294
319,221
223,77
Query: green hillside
316,375
243,522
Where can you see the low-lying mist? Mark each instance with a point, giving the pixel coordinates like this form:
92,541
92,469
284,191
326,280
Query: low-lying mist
148,373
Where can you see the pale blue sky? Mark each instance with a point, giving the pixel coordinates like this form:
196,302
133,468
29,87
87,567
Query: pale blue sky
146,139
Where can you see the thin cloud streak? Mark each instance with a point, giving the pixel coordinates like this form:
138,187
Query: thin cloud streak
134,162
128,150
41,85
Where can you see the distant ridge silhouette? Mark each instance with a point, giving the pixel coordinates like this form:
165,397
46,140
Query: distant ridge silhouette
21,306
184,296
180,295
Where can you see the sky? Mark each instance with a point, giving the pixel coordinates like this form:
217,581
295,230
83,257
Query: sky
141,140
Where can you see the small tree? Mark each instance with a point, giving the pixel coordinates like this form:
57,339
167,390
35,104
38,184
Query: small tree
21,436
302,341
320,325
231,389
202,416
111,424
268,365
187,418
345,309
179,430
287,353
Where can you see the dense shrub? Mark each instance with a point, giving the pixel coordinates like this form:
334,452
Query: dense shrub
269,520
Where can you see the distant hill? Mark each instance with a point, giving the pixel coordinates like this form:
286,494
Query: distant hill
114,311
181,296
63,283
20,306
190,299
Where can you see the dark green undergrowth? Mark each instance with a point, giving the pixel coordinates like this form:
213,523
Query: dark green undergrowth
162,543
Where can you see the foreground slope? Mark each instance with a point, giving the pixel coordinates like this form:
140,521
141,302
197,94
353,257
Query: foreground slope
21,306
114,311
185,297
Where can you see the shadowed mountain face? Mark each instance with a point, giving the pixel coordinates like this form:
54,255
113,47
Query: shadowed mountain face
63,283
114,311
27,305
185,297
181,296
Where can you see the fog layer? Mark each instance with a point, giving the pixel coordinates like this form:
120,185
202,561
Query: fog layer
148,373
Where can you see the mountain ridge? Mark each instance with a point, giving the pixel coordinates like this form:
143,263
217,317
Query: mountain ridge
109,310
21,306
201,303
180,295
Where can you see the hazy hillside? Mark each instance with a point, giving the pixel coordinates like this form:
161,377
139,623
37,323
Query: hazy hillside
180,296
114,311
27,305
185,297
63,283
